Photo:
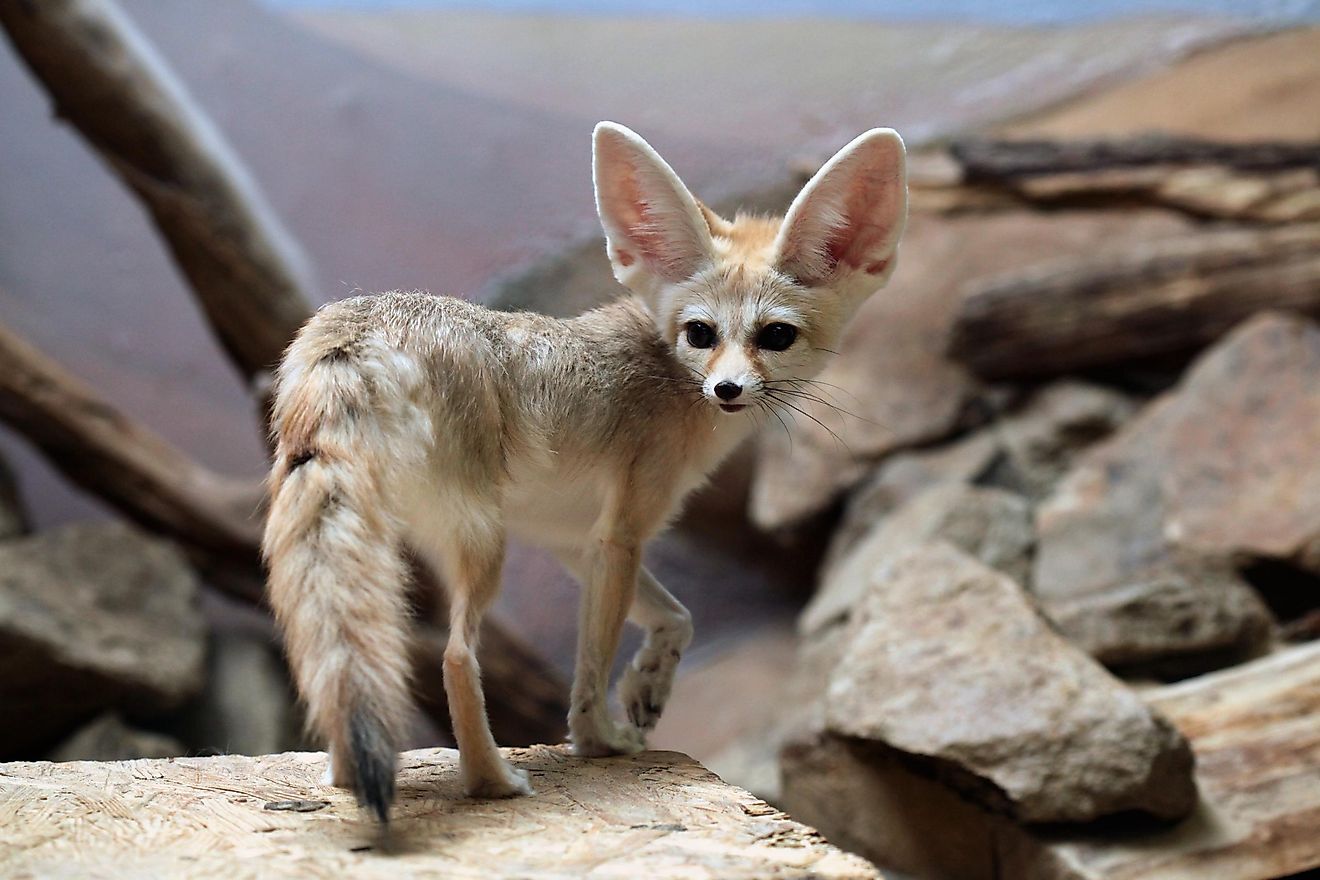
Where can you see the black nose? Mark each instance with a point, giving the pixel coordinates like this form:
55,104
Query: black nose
727,390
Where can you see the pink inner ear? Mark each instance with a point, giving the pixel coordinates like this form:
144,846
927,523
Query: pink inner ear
624,258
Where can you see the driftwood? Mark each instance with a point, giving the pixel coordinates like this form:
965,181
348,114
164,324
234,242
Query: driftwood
1257,182
655,815
105,452
105,79
1168,297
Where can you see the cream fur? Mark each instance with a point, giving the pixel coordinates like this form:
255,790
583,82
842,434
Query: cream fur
407,418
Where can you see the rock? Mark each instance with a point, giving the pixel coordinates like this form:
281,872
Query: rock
1218,472
906,474
992,525
1252,730
247,704
950,664
1256,741
13,520
657,815
92,617
1044,437
1171,623
1025,450
108,738
893,378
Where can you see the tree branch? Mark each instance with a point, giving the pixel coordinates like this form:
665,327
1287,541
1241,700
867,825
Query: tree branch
104,77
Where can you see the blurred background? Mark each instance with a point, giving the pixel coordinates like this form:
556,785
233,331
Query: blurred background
1093,375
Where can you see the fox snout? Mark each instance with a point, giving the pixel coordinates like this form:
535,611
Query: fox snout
732,381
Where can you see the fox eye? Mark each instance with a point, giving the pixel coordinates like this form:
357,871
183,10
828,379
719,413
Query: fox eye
776,336
700,335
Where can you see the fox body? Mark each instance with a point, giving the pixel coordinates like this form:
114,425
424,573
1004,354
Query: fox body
406,419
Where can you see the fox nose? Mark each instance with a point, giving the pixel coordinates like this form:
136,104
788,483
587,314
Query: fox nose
727,390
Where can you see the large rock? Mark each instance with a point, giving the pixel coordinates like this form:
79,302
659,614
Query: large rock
892,387
1252,729
992,525
91,617
950,665
1220,471
247,704
1027,450
108,738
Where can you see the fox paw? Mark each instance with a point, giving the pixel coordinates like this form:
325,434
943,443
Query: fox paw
505,781
643,697
607,738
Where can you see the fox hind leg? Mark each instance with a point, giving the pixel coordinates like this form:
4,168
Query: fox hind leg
472,562
649,678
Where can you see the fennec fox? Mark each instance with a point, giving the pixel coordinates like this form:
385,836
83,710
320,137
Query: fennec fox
410,419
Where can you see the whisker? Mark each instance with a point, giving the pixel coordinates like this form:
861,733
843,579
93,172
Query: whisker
830,430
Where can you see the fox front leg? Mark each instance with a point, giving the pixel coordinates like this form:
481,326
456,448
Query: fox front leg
668,631
607,593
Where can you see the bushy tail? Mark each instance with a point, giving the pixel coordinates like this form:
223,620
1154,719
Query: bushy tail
337,576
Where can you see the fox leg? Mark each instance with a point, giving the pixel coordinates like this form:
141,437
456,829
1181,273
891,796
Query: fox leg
668,625
607,592
471,563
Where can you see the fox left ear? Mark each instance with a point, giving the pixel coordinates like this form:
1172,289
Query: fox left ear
654,229
843,228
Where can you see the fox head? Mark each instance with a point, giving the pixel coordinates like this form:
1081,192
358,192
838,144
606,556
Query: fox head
754,304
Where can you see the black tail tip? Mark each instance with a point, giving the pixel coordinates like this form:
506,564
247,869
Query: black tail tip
373,762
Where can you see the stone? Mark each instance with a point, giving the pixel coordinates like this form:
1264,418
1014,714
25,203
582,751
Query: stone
1041,440
949,664
1219,472
108,738
247,704
992,525
1252,729
892,386
1171,622
906,474
93,616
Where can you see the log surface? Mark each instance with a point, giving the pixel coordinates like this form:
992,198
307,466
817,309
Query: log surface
1168,297
653,815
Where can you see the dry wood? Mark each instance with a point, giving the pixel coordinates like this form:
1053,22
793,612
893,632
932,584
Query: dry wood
107,81
1261,182
1168,297
654,815
105,452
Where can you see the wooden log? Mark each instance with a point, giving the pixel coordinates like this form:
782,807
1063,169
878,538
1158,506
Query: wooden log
987,159
101,449
1259,183
104,77
1169,297
654,815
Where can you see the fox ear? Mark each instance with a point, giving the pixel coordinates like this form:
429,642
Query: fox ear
848,218
655,232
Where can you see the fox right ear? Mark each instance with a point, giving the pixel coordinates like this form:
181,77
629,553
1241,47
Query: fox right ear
654,231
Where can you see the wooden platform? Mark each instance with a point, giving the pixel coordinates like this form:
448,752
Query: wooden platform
654,815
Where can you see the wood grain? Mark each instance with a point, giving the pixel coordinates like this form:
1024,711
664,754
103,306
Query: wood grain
653,815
